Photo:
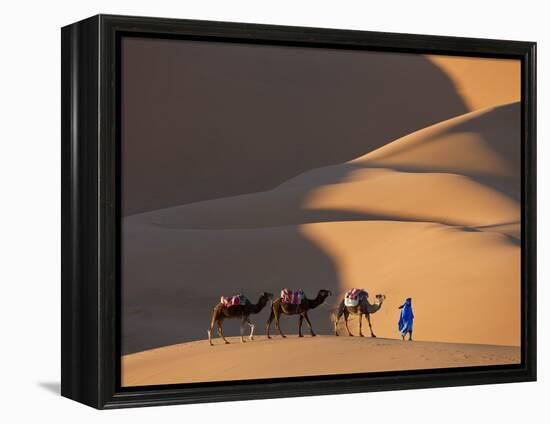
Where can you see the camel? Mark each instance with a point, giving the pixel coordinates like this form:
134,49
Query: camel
242,312
363,308
278,307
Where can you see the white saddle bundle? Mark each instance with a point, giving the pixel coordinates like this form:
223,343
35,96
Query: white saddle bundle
354,296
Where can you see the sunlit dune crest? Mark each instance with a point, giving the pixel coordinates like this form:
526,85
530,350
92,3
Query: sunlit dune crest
484,142
434,216
482,82
429,213
463,171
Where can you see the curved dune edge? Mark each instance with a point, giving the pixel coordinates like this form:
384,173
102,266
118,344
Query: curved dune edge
291,357
483,142
459,280
463,171
482,82
401,196
465,284
420,217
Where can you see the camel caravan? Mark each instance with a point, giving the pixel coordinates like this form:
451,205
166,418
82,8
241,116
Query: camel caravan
355,302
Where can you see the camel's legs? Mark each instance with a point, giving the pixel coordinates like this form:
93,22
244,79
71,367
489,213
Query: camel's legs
361,325
339,314
268,323
220,331
300,326
210,335
277,323
346,315
252,326
243,321
309,323
213,322
370,326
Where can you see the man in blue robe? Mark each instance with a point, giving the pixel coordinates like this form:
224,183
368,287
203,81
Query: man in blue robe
406,319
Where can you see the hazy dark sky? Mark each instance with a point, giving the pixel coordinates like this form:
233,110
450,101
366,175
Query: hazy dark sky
203,120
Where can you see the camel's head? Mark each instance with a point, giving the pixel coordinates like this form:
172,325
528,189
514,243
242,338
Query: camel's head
380,298
325,293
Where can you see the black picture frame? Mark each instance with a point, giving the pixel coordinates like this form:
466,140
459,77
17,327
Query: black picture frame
90,183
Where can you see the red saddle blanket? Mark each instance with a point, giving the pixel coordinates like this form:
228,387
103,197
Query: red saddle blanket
229,301
292,297
354,296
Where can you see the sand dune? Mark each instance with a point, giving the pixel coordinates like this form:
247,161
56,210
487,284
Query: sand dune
461,281
290,109
354,174
463,171
482,83
283,107
404,196
433,215
291,357
484,142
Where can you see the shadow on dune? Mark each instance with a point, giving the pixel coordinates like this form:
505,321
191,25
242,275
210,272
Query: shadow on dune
173,279
259,115
500,130
497,131
178,261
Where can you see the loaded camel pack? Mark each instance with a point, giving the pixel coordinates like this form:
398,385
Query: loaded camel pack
355,302
236,307
294,303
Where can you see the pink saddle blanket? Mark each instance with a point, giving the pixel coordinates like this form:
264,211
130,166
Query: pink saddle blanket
354,296
229,301
293,297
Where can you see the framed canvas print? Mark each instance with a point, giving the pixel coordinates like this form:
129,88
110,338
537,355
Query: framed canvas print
253,211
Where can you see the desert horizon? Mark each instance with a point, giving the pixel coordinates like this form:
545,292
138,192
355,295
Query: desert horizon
428,207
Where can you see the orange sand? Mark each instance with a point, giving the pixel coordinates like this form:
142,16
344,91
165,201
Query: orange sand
482,82
434,215
292,357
